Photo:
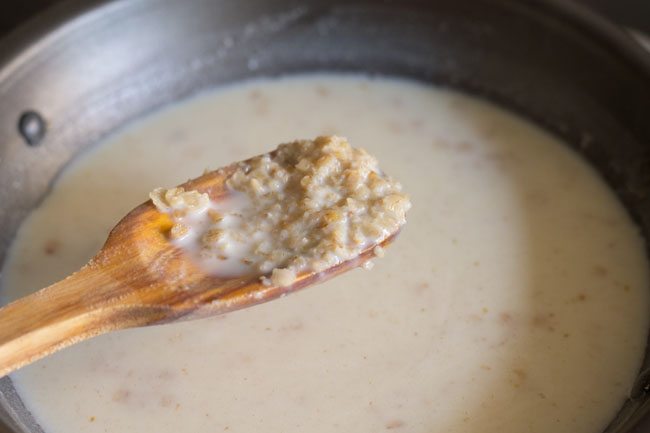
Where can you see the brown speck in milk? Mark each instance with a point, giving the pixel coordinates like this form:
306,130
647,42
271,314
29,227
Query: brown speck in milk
505,318
92,419
176,136
394,127
322,91
440,143
543,321
166,375
464,146
501,159
489,131
245,358
421,287
604,220
260,102
600,271
121,395
456,146
396,102
262,109
536,198
519,377
457,104
393,424
51,246
295,325
581,297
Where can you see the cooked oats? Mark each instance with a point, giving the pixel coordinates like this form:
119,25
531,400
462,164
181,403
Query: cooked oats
307,206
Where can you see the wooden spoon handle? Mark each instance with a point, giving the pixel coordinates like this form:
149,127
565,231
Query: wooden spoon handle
55,317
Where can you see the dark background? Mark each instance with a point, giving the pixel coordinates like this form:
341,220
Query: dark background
630,13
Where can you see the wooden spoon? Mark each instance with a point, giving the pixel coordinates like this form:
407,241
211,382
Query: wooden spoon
137,279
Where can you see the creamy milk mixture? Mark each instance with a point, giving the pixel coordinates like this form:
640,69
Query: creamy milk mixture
515,299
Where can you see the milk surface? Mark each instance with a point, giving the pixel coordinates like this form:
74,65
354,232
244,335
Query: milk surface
514,300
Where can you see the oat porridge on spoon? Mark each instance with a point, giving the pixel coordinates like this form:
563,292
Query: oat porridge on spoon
234,237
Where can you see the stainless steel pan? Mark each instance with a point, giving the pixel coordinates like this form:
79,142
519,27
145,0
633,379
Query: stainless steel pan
85,68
